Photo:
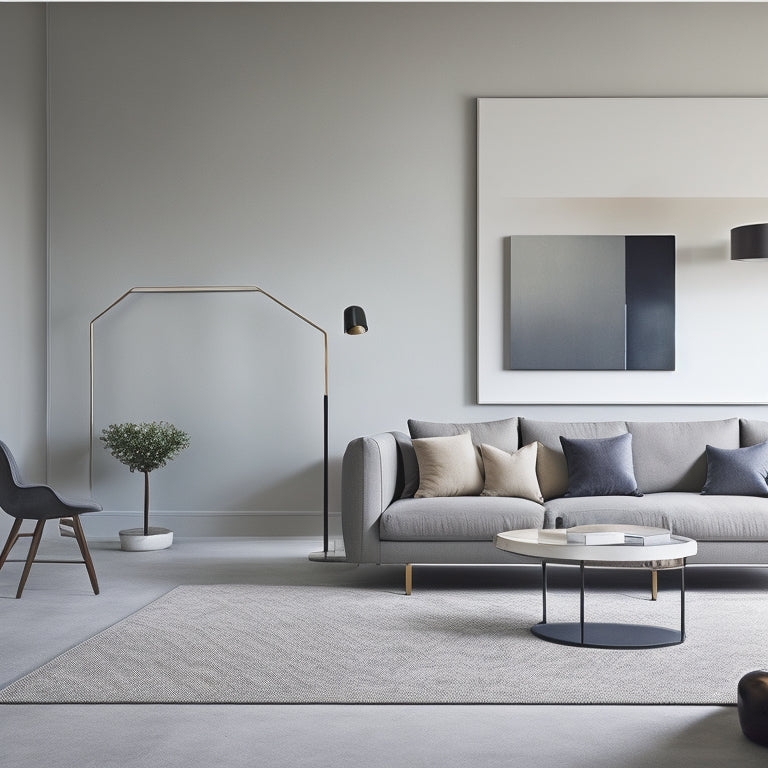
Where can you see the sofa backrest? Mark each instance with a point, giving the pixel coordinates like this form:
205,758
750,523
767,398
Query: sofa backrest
548,432
551,466
671,455
753,432
500,434
667,455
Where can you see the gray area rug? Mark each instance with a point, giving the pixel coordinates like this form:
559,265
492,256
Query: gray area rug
246,644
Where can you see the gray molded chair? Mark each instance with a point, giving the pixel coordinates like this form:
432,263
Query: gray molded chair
40,503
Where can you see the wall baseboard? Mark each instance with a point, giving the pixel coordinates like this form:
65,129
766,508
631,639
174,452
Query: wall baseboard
107,524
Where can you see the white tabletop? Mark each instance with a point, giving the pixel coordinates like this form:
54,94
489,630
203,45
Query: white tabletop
526,542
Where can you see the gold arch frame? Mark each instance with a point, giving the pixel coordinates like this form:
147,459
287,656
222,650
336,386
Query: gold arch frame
220,289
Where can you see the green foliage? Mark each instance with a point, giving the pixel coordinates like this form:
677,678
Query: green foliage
144,447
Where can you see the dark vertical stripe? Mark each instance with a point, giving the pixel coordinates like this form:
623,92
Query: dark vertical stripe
650,287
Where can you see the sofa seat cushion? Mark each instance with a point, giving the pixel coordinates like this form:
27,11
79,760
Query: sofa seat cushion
704,518
458,518
586,510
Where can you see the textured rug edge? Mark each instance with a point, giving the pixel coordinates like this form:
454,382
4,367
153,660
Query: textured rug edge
41,668
228,698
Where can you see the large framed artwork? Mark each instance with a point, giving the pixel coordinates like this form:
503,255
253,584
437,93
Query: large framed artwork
603,250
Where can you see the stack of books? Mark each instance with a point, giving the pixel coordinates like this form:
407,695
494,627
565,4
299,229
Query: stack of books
637,536
648,537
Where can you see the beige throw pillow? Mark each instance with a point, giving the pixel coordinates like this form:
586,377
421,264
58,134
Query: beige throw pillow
511,474
552,472
448,466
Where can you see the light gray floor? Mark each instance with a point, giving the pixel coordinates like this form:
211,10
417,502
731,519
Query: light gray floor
58,610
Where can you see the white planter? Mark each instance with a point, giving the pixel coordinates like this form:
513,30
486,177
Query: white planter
134,540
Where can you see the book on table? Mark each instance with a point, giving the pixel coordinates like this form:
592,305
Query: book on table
552,535
648,537
595,537
636,536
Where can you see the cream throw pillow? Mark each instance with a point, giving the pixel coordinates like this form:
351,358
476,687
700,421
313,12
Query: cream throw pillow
552,472
448,466
511,474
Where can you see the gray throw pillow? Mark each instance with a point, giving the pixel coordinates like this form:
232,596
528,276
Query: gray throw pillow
737,471
408,467
600,466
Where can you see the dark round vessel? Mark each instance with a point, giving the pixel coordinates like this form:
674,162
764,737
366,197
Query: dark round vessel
753,706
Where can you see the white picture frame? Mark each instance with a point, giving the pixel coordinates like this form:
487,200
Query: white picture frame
691,167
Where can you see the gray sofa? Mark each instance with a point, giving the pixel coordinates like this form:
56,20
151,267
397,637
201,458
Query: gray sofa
383,523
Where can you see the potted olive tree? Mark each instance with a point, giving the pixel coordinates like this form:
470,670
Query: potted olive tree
145,447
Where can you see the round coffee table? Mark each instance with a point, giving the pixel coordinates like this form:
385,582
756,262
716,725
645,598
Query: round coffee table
652,557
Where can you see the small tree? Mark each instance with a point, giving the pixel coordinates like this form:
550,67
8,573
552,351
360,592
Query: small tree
144,447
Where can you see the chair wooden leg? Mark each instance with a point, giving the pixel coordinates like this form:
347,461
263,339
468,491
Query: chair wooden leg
654,585
408,578
83,544
13,537
36,536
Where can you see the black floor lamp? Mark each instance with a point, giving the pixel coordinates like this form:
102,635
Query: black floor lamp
354,324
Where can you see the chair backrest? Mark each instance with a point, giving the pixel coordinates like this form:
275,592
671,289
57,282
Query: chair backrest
10,480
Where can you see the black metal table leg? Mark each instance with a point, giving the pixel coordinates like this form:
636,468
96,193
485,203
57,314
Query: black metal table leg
602,634
581,621
682,602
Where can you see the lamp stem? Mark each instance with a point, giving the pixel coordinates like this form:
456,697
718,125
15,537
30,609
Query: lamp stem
325,474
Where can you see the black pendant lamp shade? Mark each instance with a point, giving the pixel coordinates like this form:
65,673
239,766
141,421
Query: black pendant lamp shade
749,242
354,321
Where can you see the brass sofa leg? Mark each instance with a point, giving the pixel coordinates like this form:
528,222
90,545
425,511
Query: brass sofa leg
408,578
654,584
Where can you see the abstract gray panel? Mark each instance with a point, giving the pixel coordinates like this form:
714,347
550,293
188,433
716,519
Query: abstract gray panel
566,302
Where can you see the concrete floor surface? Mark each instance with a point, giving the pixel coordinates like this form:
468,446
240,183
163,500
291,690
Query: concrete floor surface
58,610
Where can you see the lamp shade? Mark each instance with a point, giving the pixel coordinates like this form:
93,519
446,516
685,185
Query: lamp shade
749,242
354,321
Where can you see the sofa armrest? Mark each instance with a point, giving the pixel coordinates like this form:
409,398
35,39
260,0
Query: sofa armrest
368,483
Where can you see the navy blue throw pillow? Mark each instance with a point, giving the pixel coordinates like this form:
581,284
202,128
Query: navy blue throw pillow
737,471
600,467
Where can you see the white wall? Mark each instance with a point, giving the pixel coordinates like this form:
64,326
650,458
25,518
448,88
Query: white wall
327,153
22,238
